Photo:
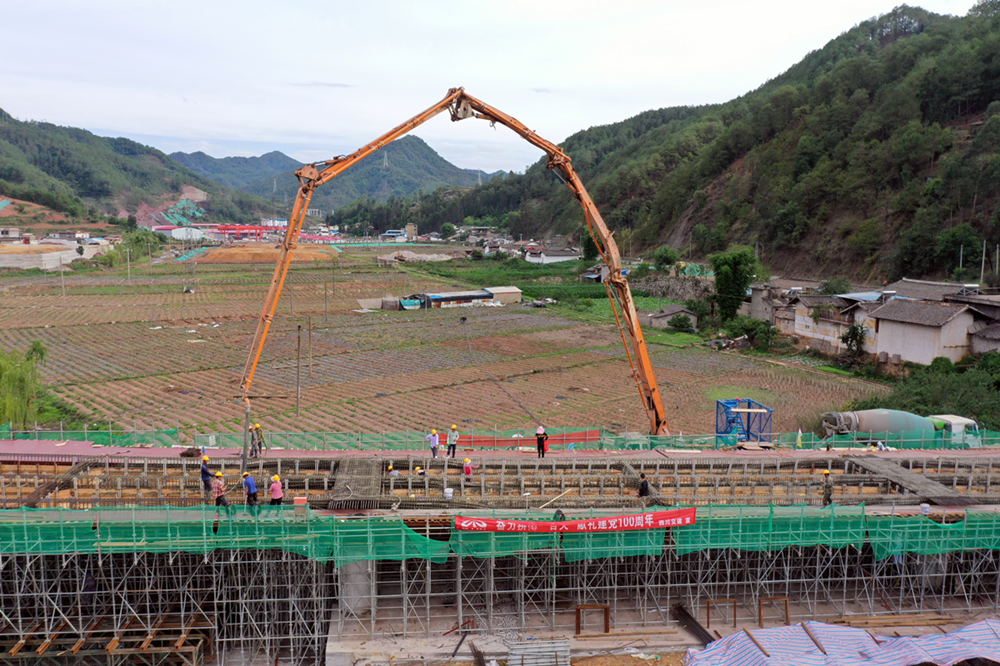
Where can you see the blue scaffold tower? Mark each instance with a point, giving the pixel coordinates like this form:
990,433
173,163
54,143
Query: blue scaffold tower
749,420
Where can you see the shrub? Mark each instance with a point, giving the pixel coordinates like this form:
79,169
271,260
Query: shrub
681,323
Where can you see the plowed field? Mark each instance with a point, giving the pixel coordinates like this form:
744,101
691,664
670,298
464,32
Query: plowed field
148,354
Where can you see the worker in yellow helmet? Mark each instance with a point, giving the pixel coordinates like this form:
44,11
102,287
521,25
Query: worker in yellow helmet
393,472
219,490
467,468
827,488
277,492
452,441
206,477
434,441
419,471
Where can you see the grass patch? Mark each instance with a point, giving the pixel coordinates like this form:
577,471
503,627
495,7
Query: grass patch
835,371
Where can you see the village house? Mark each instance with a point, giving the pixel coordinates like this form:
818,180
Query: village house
920,331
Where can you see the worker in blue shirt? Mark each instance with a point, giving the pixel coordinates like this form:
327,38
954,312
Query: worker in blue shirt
251,487
206,476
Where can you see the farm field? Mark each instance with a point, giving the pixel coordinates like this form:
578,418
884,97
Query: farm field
145,354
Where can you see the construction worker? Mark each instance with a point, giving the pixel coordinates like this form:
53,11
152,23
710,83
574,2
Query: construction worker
254,444
467,468
206,476
643,487
219,490
250,484
277,493
452,441
393,472
541,437
827,488
419,471
260,438
434,441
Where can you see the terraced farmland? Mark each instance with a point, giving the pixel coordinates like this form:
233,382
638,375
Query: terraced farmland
149,355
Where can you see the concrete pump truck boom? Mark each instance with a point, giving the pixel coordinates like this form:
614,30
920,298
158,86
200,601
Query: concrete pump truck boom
461,106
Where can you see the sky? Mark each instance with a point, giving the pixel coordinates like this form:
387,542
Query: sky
317,80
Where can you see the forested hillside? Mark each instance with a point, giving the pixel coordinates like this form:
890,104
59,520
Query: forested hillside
879,154
81,174
237,172
403,168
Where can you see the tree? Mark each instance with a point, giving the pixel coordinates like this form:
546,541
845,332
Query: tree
476,255
734,270
681,323
447,230
665,257
854,339
837,285
589,247
131,223
19,385
759,333
79,250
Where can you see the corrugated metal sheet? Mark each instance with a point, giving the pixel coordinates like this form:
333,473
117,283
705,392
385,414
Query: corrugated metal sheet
539,653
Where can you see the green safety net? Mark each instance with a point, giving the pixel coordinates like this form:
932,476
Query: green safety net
763,528
344,540
360,540
143,438
895,535
204,529
5,430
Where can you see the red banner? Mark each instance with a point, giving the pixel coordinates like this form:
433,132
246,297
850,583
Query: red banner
638,521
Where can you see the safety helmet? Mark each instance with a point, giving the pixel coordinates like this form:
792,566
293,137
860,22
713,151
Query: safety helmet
218,473
826,471
418,468
390,467
245,474
276,478
467,460
256,425
205,458
454,427
433,431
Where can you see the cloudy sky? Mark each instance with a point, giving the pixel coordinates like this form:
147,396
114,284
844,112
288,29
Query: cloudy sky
315,80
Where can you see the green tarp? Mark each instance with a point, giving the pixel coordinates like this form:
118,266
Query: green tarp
757,528
323,538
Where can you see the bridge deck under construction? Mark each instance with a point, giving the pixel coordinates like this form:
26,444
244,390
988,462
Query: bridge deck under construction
244,587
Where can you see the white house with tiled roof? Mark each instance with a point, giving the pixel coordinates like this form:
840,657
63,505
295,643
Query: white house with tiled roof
920,331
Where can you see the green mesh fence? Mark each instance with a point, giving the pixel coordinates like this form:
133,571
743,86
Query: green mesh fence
5,430
143,438
758,528
204,529
302,531
895,535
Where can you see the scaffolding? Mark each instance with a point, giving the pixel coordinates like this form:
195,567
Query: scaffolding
123,562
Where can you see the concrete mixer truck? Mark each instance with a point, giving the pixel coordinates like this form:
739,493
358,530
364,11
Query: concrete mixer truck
873,422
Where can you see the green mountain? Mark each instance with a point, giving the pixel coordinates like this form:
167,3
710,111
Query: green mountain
878,155
403,168
76,172
237,172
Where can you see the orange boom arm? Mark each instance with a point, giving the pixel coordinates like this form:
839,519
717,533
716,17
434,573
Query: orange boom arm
462,106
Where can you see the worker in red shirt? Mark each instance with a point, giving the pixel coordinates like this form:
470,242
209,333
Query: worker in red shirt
467,468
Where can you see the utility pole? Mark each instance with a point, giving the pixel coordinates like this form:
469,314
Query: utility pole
310,348
326,303
298,373
149,248
62,279
291,298
128,261
982,267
